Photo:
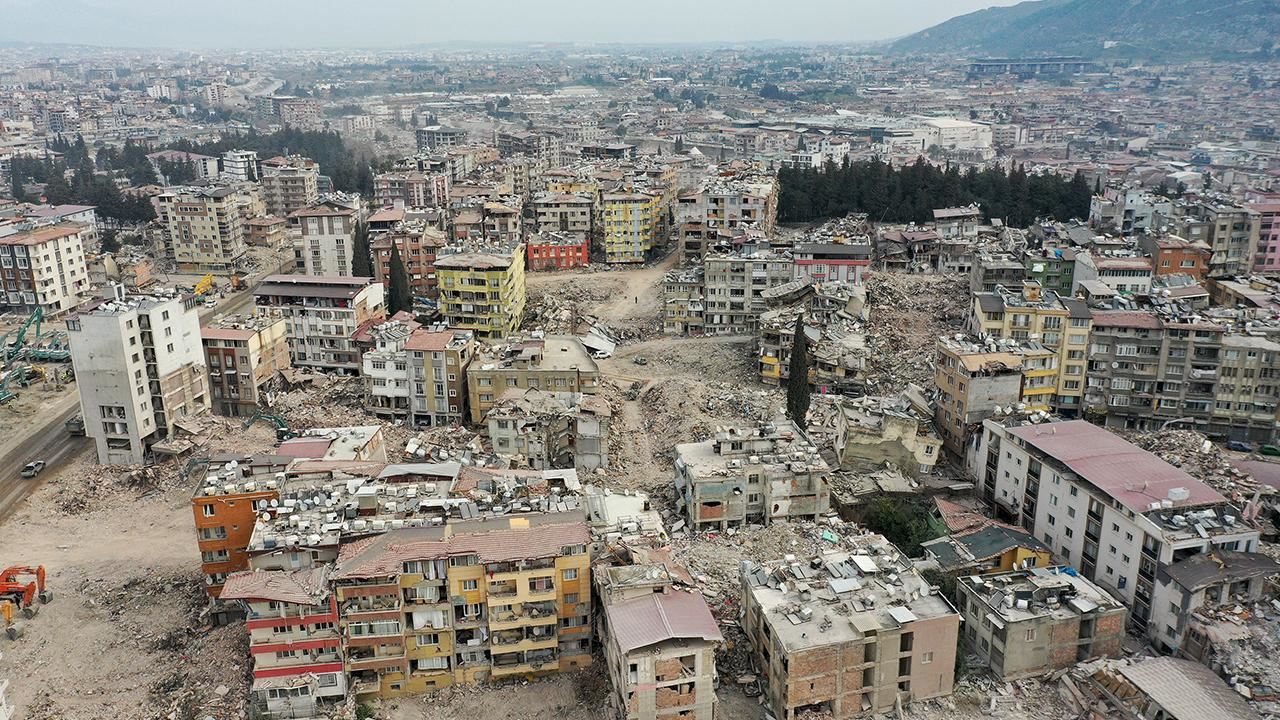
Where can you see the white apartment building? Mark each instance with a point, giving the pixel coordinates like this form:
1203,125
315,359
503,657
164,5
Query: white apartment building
1117,513
289,184
139,365
326,238
240,166
323,312
385,369
204,227
43,267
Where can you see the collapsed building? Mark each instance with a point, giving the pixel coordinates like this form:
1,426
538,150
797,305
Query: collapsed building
545,429
871,431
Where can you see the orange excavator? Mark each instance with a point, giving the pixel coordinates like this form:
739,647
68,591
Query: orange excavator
11,629
24,595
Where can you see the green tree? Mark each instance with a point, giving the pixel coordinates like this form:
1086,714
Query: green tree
679,144
110,242
362,262
798,396
398,295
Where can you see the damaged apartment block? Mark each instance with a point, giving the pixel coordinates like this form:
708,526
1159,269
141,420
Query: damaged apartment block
848,632
762,474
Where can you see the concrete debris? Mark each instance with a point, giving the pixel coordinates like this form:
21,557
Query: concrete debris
908,313
1200,458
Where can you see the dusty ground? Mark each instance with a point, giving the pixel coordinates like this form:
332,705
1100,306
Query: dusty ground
123,637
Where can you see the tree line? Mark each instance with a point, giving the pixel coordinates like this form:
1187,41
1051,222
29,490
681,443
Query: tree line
911,192
349,169
70,177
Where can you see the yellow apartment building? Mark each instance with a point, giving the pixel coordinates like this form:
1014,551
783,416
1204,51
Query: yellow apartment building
483,290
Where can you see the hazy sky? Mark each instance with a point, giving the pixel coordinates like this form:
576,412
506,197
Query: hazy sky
368,23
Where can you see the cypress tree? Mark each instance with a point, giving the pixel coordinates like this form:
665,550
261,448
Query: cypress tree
398,295
362,261
798,382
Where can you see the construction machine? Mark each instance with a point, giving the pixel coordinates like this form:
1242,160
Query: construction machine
11,629
24,595
7,353
204,286
282,428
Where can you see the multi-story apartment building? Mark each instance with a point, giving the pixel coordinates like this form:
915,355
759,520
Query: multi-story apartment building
43,267
732,202
570,215
1122,516
488,599
289,184
292,619
417,243
385,370
683,303
761,474
322,314
1125,275
1127,210
203,227
243,356
554,251
544,430
1231,232
241,166
439,359
435,138
1034,621
1267,258
628,225
482,289
885,639
733,284
659,643
546,149
1059,323
326,237
139,368
1145,370
973,380
1174,256
225,510
552,363
411,189
826,261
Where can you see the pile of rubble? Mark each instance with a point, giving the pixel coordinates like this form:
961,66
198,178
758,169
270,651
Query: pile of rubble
560,309
89,487
1247,650
326,401
688,411
908,313
445,443
1200,458
206,668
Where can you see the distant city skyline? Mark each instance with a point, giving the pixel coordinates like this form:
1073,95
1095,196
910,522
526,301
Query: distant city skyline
265,24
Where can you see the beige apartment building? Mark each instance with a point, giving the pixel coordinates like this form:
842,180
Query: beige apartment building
289,184
204,228
326,236
322,315
554,364
43,268
243,356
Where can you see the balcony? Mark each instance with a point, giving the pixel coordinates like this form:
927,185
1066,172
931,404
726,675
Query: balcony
376,662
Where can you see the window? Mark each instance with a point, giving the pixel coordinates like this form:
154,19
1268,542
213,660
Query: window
207,510
470,585
571,598
1030,635
570,574
926,658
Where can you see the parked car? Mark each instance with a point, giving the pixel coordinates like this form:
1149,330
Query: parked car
1269,450
32,469
640,360
1239,446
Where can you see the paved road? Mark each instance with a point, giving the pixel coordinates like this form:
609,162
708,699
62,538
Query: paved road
50,443
49,440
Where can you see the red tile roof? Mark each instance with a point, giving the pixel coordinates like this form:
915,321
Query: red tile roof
658,617
303,587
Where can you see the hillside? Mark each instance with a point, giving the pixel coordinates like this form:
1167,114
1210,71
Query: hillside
1167,29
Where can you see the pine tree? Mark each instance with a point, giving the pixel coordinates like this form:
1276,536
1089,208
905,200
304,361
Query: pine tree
798,382
679,144
398,295
362,262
